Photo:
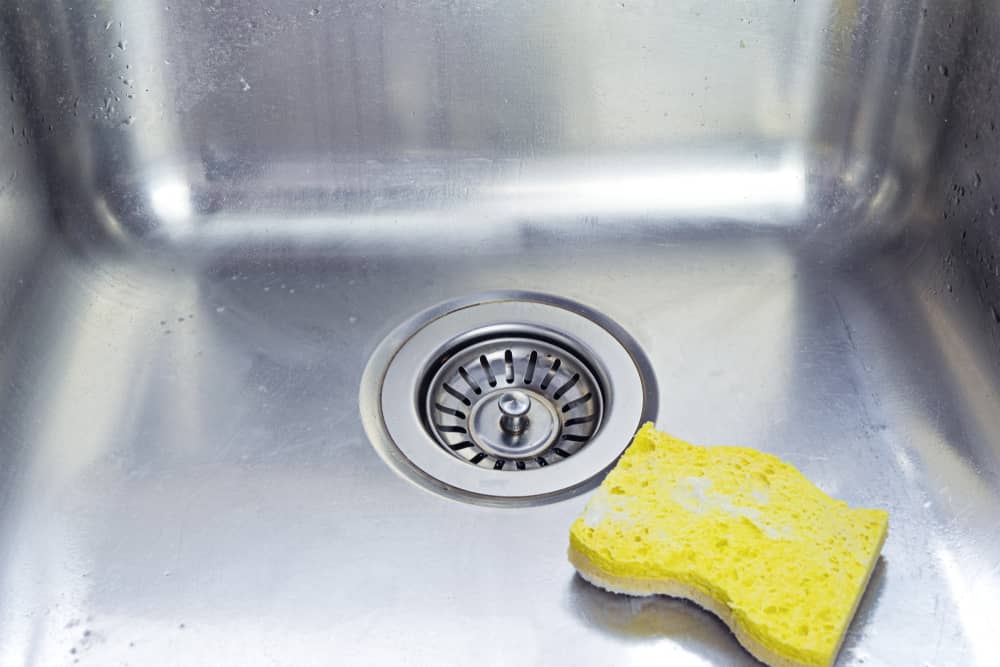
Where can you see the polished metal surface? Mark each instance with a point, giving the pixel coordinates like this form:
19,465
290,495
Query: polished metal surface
515,437
514,408
514,403
419,378
212,214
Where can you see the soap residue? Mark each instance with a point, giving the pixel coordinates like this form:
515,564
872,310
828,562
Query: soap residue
602,506
694,495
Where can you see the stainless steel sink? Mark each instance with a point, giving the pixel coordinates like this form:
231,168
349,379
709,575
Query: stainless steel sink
213,213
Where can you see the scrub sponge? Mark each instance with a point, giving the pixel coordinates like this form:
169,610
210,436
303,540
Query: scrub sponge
737,531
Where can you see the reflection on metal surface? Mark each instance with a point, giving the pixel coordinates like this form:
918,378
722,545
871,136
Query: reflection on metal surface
171,200
977,599
685,189
211,213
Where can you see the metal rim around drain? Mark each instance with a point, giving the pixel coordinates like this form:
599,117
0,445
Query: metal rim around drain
561,392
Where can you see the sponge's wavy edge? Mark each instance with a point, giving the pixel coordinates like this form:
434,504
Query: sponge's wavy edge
646,587
592,571
642,587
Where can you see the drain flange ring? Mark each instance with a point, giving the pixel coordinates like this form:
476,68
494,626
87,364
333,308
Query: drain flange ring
466,450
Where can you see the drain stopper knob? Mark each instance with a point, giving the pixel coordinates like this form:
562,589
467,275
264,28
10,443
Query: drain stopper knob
514,407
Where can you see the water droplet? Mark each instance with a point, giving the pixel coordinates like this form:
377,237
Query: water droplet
314,12
122,44
930,98
944,70
352,319
220,309
107,26
244,85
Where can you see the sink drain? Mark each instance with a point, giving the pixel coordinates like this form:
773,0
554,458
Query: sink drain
506,398
513,403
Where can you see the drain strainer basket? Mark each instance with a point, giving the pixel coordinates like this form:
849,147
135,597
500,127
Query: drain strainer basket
513,402
506,398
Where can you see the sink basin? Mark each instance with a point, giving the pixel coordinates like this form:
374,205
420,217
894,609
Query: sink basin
213,214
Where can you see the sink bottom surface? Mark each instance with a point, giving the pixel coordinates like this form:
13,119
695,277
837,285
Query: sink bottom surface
186,479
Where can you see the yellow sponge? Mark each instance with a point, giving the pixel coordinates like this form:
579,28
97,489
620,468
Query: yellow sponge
739,532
